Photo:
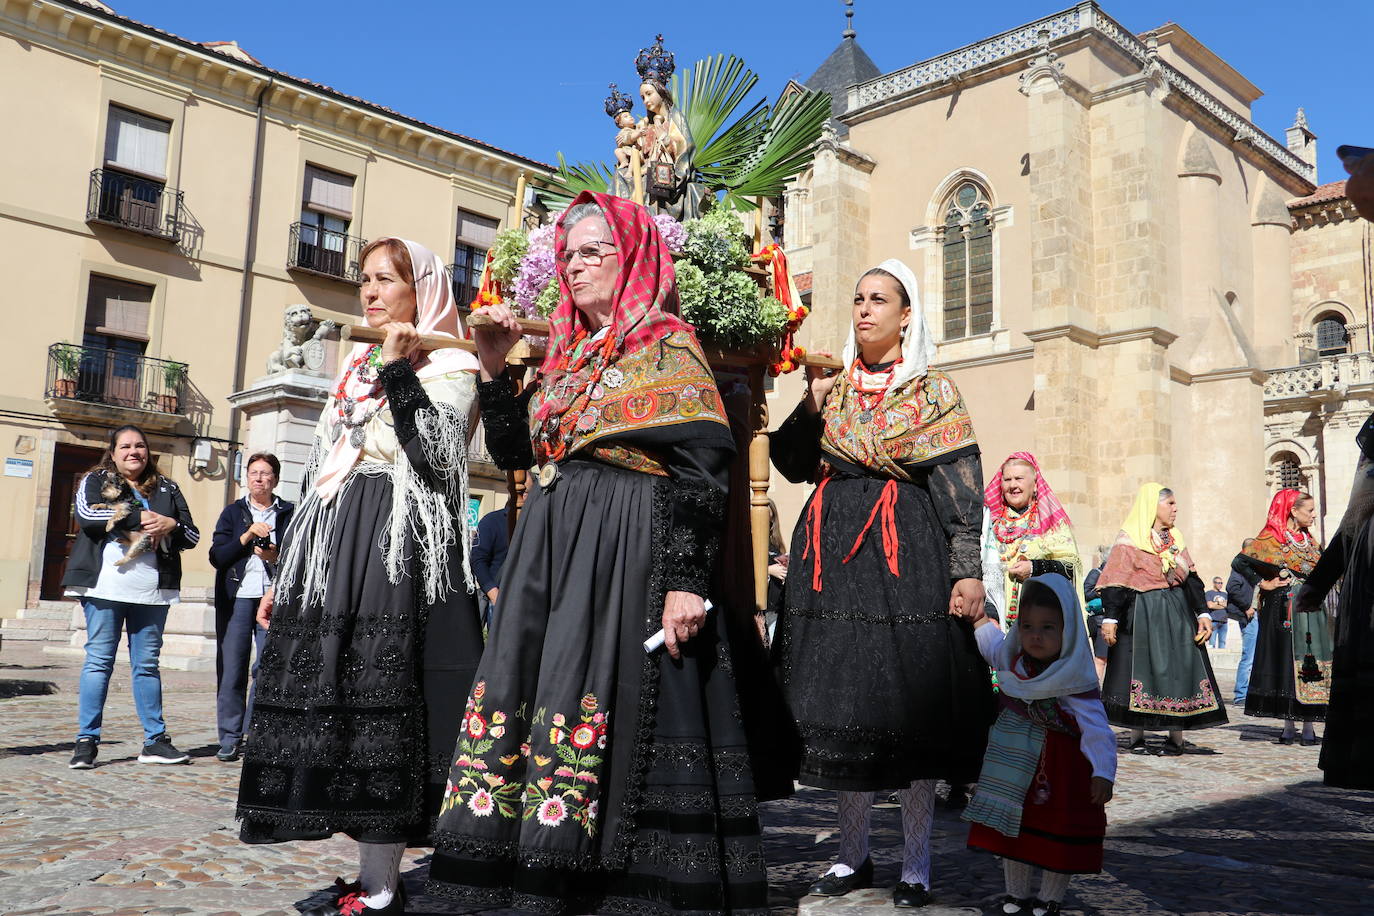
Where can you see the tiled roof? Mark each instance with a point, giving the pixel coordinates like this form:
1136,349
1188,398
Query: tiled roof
846,66
319,87
1332,190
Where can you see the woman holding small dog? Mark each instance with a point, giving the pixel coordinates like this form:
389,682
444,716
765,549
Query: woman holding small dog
125,568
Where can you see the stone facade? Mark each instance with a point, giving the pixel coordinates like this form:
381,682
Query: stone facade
1141,246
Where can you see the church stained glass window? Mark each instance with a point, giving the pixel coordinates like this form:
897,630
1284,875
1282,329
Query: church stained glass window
967,251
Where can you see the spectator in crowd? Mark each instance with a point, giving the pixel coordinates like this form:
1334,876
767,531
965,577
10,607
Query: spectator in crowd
1216,604
244,554
489,555
1092,603
1240,606
125,568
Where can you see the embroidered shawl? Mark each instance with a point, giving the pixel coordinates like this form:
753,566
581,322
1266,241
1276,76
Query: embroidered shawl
1275,545
1138,560
922,422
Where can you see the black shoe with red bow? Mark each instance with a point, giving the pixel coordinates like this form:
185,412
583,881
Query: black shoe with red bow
348,901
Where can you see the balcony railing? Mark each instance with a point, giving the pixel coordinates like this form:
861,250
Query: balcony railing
325,252
115,378
1330,373
140,204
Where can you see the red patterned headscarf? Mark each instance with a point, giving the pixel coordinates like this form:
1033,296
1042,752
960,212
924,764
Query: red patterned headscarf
1279,509
643,313
1049,511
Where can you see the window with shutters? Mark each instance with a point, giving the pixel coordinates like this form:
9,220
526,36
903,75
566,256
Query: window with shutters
323,244
967,262
114,340
474,239
131,188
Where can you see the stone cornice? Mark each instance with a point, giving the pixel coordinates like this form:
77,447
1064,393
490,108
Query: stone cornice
1081,335
990,359
166,63
870,98
1184,377
829,142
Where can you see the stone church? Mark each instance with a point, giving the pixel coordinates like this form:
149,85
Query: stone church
1124,274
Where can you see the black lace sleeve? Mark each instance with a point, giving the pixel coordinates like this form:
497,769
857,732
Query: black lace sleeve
505,417
699,478
404,395
795,446
1042,567
957,490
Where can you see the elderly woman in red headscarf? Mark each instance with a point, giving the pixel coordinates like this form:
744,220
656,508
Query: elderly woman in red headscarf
1291,678
1027,535
591,774
373,632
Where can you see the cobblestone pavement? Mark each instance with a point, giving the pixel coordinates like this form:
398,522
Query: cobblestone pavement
1239,825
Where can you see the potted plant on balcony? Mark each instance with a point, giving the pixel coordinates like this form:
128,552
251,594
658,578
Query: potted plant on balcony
173,374
67,357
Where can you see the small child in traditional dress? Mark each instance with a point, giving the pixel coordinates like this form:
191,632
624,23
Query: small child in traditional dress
1051,757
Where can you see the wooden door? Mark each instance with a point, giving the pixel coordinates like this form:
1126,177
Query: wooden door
70,462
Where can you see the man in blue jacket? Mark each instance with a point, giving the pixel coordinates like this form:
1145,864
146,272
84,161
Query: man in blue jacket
1240,600
244,554
488,556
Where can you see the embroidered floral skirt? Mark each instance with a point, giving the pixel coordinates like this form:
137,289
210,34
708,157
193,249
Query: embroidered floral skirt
1276,688
884,685
1157,677
359,697
590,776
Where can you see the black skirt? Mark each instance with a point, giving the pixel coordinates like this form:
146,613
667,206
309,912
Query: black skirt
884,685
591,776
1157,677
1273,693
358,698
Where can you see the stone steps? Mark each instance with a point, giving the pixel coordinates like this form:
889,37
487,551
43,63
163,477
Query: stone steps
47,621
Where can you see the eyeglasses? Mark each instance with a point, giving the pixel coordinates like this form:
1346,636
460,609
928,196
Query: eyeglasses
590,253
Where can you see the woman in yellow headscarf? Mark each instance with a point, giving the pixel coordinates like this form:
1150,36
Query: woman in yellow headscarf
1156,622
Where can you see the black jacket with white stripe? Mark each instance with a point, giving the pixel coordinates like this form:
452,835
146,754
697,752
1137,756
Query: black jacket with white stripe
83,566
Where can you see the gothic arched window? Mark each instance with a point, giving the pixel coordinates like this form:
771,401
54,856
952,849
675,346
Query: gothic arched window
967,262
1331,335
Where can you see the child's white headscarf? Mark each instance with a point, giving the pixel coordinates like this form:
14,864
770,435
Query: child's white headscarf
1073,672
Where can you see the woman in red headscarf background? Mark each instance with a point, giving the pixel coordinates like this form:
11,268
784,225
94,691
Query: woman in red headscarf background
590,774
373,633
1291,678
1028,534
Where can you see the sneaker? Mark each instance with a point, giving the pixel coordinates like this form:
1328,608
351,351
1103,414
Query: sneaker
84,756
228,753
160,750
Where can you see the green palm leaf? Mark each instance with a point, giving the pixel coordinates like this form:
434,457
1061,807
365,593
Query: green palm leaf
571,180
788,147
708,96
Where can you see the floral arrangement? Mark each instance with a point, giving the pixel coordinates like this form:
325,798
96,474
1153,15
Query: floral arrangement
725,304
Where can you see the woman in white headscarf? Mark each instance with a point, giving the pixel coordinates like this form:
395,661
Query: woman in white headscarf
884,679
373,633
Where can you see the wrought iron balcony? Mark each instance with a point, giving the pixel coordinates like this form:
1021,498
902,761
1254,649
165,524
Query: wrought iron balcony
139,204
325,252
116,378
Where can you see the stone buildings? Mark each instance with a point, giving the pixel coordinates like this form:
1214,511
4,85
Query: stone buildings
1110,264
163,202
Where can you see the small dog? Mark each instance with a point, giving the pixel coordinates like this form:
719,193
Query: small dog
119,498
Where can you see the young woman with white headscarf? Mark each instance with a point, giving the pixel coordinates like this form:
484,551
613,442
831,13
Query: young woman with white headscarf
373,632
884,563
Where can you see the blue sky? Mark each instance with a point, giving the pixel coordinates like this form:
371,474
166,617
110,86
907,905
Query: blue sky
530,76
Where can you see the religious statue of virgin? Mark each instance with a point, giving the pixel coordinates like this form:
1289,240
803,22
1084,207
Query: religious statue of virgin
664,179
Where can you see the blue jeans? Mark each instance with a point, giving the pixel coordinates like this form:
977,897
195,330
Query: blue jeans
104,621
238,633
1218,640
1248,635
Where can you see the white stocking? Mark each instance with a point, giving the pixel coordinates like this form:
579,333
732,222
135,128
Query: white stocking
1289,729
856,813
1309,733
1018,875
918,811
1053,884
379,872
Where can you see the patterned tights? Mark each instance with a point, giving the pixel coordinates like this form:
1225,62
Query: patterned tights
918,812
1053,884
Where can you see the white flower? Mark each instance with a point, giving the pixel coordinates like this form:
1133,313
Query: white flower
481,803
552,811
